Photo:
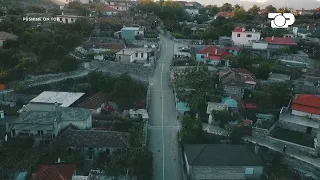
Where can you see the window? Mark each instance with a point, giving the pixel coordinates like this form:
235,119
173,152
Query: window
238,35
249,35
141,55
138,32
60,19
202,56
249,171
71,20
119,57
136,54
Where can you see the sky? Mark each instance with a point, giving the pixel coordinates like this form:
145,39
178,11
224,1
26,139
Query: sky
205,2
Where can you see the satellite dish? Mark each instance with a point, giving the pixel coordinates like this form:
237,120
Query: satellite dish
6,138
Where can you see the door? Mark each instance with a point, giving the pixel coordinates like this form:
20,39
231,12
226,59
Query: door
309,130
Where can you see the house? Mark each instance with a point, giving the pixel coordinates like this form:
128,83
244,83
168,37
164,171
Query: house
303,32
58,171
304,12
5,36
95,103
50,98
223,14
109,11
213,55
279,42
192,11
120,5
303,115
134,55
81,1
275,78
67,19
46,122
143,113
235,81
244,38
222,161
92,142
296,60
212,106
130,33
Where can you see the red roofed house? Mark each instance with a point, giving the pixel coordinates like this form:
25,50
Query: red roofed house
241,36
235,81
95,103
213,55
223,14
273,43
109,11
279,42
54,172
303,116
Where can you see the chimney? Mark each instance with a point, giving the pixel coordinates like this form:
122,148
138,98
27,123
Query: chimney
24,108
55,124
256,148
1,114
59,160
216,52
123,51
253,30
243,29
308,28
34,176
56,104
272,38
207,54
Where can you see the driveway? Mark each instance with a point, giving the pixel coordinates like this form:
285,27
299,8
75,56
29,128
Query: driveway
164,126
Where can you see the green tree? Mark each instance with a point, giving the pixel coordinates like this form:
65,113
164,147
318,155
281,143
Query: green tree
60,52
262,72
68,63
226,7
254,10
240,13
224,117
271,9
236,7
190,127
238,132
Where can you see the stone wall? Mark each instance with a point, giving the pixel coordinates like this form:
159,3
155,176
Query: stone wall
292,126
302,149
295,163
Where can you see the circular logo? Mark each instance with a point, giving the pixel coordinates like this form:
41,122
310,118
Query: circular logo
280,20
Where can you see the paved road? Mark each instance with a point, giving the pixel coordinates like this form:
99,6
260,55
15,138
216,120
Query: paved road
162,133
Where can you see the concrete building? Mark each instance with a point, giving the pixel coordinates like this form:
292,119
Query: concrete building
120,5
192,11
134,55
5,36
222,161
47,121
235,81
68,19
279,42
92,142
303,115
130,33
49,98
244,38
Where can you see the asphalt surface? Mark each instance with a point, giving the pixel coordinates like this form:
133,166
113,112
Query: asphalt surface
164,126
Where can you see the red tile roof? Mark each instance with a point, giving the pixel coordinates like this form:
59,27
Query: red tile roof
94,102
55,171
280,41
110,9
224,14
238,29
307,103
213,50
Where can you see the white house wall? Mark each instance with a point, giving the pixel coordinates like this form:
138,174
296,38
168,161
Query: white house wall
243,39
304,114
259,45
